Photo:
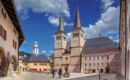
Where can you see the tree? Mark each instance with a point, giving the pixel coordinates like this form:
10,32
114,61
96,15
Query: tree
52,61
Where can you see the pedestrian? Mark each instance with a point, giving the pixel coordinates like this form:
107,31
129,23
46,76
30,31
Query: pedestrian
60,73
53,73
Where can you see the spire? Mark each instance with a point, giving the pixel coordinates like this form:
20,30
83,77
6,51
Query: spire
77,20
61,24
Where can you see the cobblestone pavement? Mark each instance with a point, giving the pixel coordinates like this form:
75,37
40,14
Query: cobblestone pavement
103,77
31,76
43,76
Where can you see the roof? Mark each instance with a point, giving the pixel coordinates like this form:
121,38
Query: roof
39,58
21,53
35,42
100,43
77,20
11,11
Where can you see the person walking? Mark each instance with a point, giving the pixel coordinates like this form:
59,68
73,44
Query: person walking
60,73
53,73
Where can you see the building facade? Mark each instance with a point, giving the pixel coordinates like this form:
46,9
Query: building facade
69,56
36,62
125,38
11,38
101,54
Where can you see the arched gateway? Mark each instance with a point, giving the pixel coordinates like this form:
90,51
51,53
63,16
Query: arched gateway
14,62
4,63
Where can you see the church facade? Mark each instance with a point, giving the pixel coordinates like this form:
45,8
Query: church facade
69,56
73,56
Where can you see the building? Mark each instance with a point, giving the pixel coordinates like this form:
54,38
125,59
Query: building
101,54
22,55
125,38
35,49
36,62
11,38
69,56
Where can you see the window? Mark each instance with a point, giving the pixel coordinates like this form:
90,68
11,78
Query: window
93,64
85,58
3,33
41,64
102,65
66,58
107,57
75,34
89,58
107,64
97,58
93,58
3,13
115,57
58,37
89,65
14,44
65,38
115,64
85,65
102,58
35,64
97,64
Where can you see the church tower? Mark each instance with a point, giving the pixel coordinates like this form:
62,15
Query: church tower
60,44
77,42
35,49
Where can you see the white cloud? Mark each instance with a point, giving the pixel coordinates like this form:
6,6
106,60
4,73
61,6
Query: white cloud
107,3
43,51
51,9
107,24
51,51
68,36
55,21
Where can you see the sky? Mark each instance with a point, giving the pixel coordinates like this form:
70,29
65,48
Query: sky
40,19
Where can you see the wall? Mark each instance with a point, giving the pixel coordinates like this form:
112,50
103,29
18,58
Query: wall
11,35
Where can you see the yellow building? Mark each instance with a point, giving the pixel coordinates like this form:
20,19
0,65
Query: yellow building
36,63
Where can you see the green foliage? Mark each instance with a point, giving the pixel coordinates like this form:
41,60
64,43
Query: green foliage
52,61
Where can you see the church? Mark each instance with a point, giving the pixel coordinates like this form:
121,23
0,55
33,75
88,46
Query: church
102,52
69,56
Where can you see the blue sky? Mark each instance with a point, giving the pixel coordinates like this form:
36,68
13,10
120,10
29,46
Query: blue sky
40,18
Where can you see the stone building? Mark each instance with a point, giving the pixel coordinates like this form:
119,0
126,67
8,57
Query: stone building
100,54
11,38
69,56
124,39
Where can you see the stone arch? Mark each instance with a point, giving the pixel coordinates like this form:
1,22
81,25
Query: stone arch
14,62
3,62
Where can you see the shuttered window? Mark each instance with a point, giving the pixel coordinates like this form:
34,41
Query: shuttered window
3,33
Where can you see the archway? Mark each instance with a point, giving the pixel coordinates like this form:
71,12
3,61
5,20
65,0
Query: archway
3,63
14,62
